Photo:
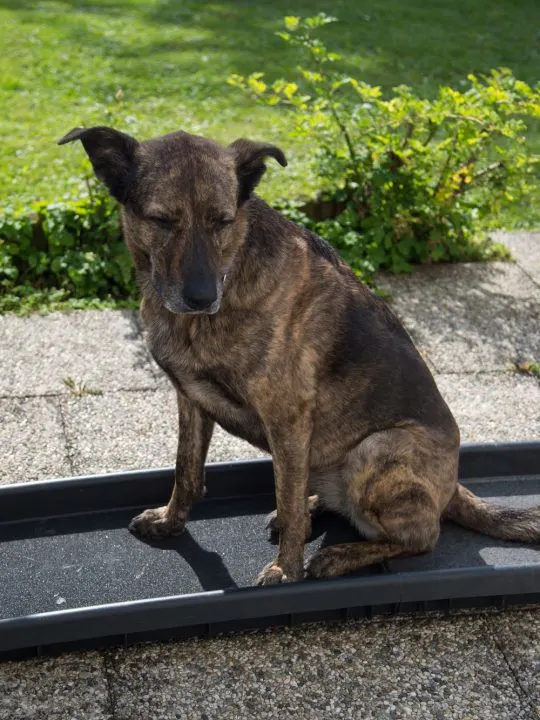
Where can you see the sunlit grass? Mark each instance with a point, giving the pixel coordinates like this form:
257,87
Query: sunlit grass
63,64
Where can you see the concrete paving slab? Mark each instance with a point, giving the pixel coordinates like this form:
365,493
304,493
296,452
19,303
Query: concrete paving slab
525,249
103,349
421,668
469,317
493,407
518,635
32,440
71,687
125,430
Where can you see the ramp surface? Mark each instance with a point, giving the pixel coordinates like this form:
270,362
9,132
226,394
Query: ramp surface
72,573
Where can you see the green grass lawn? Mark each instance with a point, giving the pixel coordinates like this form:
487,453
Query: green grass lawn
63,62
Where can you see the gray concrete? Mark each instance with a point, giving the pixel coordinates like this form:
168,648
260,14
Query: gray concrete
102,349
419,668
32,438
525,249
128,430
490,407
122,430
468,321
469,317
518,636
71,687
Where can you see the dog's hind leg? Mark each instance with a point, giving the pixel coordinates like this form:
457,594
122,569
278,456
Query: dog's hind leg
401,522
396,493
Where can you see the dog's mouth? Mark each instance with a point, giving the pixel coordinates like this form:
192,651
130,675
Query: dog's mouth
184,309
176,303
181,307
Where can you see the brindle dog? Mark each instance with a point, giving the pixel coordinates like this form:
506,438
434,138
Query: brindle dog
263,329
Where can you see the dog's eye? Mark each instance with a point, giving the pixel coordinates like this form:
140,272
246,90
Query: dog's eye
162,222
222,222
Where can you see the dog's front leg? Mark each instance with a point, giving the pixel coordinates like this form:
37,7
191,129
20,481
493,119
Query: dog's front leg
290,444
194,435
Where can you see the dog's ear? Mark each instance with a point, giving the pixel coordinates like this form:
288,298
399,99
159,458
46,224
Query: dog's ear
112,156
249,157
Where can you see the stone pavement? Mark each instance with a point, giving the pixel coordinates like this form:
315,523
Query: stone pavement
470,322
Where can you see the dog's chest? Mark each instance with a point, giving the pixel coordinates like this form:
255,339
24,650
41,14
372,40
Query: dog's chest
204,368
221,394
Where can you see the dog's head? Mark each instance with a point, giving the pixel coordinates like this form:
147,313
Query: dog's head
181,197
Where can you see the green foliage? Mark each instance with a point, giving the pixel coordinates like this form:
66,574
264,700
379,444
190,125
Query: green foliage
527,367
61,251
416,179
78,388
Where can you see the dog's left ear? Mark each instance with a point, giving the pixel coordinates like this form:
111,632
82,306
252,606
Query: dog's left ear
249,157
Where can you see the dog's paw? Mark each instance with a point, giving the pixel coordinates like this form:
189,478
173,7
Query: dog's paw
274,574
271,574
328,562
155,523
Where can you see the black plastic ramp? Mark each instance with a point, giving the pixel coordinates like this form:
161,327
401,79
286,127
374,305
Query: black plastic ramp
71,573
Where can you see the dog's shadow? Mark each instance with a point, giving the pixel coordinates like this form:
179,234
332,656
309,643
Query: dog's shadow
212,572
207,565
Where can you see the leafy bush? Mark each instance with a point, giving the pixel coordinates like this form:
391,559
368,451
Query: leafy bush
64,250
411,179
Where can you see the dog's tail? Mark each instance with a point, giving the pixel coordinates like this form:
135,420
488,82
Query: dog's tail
470,511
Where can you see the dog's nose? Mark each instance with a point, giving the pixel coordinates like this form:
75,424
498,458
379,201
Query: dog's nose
200,296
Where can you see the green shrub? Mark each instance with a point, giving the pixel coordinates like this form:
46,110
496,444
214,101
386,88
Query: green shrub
64,250
412,179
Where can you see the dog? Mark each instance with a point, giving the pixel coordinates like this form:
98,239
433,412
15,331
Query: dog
262,328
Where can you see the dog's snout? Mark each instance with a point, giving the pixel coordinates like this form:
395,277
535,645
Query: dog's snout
200,295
